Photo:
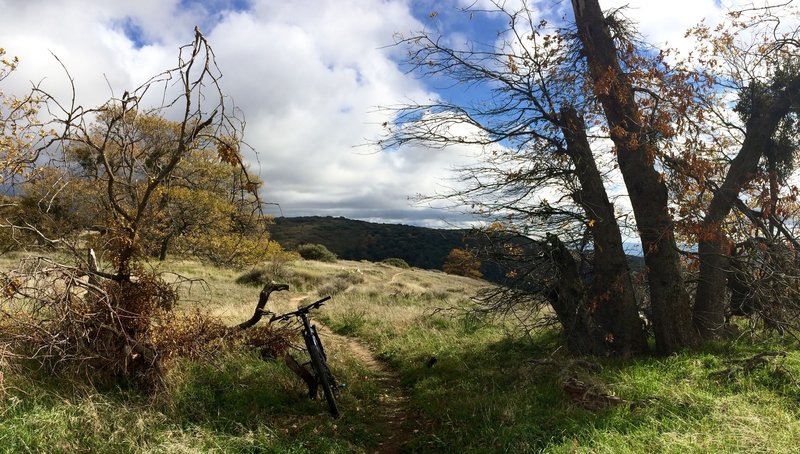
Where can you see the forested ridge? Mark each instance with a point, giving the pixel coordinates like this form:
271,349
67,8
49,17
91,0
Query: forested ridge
360,240
421,247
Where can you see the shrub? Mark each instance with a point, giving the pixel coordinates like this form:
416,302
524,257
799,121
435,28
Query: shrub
339,282
256,277
232,250
109,332
334,287
298,280
277,265
103,331
351,277
462,263
352,321
316,252
396,262
303,280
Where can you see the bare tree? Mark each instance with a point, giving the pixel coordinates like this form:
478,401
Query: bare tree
113,322
534,135
553,93
135,157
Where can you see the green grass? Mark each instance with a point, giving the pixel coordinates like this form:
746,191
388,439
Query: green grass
236,404
483,394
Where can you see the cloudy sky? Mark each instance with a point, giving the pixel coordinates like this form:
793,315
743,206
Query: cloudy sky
308,76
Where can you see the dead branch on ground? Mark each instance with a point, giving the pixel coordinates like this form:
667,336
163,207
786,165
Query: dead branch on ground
746,366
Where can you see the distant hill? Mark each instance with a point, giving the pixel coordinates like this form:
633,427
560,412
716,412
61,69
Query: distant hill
359,240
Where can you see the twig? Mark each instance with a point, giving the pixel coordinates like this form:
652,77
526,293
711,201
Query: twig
746,366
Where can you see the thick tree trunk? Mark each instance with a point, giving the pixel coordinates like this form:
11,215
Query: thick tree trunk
611,297
672,318
709,306
569,301
713,248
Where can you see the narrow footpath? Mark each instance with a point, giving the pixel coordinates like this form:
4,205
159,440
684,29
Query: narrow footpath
394,411
394,400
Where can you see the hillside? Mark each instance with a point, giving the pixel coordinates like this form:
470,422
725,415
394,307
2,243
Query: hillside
359,240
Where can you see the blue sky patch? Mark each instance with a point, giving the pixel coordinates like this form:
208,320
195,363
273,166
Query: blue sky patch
215,7
473,27
132,31
213,11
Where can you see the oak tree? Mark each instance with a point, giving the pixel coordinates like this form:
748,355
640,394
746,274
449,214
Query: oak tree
557,97
533,130
463,263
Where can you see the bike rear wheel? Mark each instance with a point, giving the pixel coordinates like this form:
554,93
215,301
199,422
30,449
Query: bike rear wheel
324,377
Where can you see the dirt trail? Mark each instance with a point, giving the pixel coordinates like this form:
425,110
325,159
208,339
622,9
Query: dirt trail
394,402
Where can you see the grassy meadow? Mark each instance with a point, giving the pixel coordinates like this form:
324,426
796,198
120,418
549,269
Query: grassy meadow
464,384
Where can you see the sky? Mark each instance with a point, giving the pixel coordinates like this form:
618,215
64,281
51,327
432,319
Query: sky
309,76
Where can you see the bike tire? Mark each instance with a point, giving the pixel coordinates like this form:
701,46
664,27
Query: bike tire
324,377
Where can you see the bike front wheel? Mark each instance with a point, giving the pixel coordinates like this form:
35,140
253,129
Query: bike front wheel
324,377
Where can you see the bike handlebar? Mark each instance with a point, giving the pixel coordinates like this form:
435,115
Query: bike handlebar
300,310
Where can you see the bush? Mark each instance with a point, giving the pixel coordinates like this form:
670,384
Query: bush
333,288
303,280
463,263
104,332
277,265
316,252
256,277
396,262
298,280
351,277
339,282
352,321
232,250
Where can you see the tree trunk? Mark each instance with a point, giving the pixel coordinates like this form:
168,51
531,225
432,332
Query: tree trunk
569,301
126,254
672,317
162,253
611,297
713,249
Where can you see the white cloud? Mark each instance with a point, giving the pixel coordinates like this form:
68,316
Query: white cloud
666,22
307,87
307,76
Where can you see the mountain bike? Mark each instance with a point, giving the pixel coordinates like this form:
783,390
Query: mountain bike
320,375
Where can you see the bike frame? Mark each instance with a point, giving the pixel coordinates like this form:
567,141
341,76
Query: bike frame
309,334
313,344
